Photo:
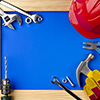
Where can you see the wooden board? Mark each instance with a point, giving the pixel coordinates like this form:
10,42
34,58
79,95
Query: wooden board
40,5
46,95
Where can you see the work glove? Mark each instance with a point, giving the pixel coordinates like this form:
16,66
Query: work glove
92,87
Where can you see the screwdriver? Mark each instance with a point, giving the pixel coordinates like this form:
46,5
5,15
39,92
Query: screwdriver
6,86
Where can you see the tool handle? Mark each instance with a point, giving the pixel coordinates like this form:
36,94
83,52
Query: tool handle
98,43
71,93
6,98
98,50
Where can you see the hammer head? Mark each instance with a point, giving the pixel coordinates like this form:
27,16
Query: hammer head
83,67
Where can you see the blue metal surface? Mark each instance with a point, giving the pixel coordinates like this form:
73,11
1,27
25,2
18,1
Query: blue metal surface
36,52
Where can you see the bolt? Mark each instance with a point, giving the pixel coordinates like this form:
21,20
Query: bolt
70,81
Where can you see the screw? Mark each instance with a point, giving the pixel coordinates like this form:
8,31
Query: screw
70,81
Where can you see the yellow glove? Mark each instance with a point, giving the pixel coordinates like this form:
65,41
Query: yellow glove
92,87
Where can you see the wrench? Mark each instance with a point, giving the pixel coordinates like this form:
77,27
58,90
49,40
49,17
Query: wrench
56,81
31,17
9,19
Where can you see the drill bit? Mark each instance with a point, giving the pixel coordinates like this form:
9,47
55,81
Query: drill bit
5,67
6,86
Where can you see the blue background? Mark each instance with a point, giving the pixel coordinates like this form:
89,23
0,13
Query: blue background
36,52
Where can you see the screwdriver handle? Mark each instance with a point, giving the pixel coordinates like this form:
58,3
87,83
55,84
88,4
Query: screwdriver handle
6,98
68,91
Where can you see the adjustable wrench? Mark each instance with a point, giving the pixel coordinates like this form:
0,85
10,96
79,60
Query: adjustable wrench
56,81
9,19
31,17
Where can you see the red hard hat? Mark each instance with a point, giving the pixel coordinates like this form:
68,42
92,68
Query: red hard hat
84,15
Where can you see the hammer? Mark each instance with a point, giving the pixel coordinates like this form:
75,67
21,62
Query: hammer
83,67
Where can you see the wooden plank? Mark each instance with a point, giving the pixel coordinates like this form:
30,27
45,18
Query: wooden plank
46,95
40,5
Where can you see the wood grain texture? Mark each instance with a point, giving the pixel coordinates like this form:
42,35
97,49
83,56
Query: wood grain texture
46,95
40,5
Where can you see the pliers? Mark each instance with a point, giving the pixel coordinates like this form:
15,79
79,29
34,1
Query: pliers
93,46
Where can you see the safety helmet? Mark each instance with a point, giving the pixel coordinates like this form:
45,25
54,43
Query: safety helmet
84,15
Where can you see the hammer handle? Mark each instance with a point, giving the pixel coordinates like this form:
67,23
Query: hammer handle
68,91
